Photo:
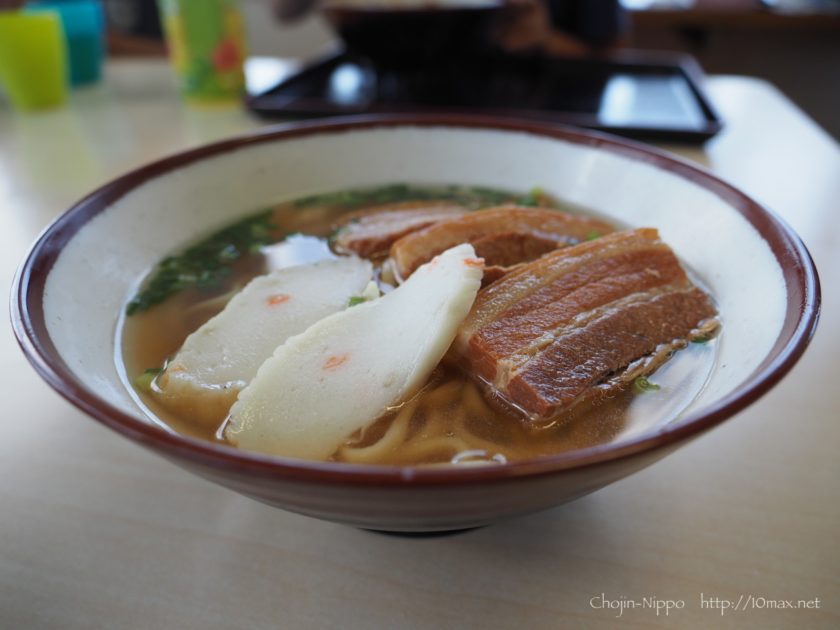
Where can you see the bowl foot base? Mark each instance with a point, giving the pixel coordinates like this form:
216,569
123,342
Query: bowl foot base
447,532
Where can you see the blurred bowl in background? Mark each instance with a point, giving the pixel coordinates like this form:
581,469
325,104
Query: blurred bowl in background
403,32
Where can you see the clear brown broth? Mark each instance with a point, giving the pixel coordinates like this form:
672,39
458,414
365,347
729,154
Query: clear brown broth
467,425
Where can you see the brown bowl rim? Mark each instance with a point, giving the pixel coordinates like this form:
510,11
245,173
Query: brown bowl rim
28,318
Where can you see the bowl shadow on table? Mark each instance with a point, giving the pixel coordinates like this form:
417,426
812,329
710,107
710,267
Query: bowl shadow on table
492,571
515,556
556,530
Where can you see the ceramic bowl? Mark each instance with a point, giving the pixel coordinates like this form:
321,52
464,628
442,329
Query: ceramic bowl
420,33
76,279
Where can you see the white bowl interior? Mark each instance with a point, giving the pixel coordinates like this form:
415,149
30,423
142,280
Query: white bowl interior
99,268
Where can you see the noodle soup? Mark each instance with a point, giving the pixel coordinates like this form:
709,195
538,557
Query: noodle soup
454,418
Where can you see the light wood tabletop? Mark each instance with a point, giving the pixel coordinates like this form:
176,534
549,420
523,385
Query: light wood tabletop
96,532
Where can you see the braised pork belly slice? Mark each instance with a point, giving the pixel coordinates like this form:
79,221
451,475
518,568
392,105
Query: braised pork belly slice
551,332
373,230
503,236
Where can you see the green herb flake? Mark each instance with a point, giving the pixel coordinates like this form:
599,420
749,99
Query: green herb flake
592,236
642,385
362,196
334,234
532,199
479,197
356,300
144,381
471,197
206,264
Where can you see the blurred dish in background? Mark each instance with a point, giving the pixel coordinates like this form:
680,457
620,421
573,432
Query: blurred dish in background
423,34
432,32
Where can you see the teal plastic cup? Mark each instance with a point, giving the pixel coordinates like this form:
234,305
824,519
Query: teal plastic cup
84,29
33,59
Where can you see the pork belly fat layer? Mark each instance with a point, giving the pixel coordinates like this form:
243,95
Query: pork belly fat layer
558,376
373,230
598,283
554,328
503,236
536,284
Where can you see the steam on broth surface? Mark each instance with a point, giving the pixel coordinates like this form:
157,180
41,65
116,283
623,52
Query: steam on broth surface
452,418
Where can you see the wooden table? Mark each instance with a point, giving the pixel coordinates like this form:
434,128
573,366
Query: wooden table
96,532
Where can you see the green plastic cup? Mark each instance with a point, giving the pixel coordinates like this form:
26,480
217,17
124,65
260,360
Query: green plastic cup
33,59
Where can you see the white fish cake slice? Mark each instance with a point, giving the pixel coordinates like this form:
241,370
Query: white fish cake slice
222,356
346,370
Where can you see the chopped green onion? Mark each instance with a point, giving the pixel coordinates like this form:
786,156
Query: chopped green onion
642,385
356,300
592,236
206,264
472,197
532,199
144,380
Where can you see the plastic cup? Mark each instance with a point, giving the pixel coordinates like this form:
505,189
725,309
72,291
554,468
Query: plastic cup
33,59
84,28
206,43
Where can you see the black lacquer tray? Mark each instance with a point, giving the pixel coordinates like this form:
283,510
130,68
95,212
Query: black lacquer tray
653,96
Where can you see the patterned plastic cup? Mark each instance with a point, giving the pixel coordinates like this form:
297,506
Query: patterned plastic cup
206,42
